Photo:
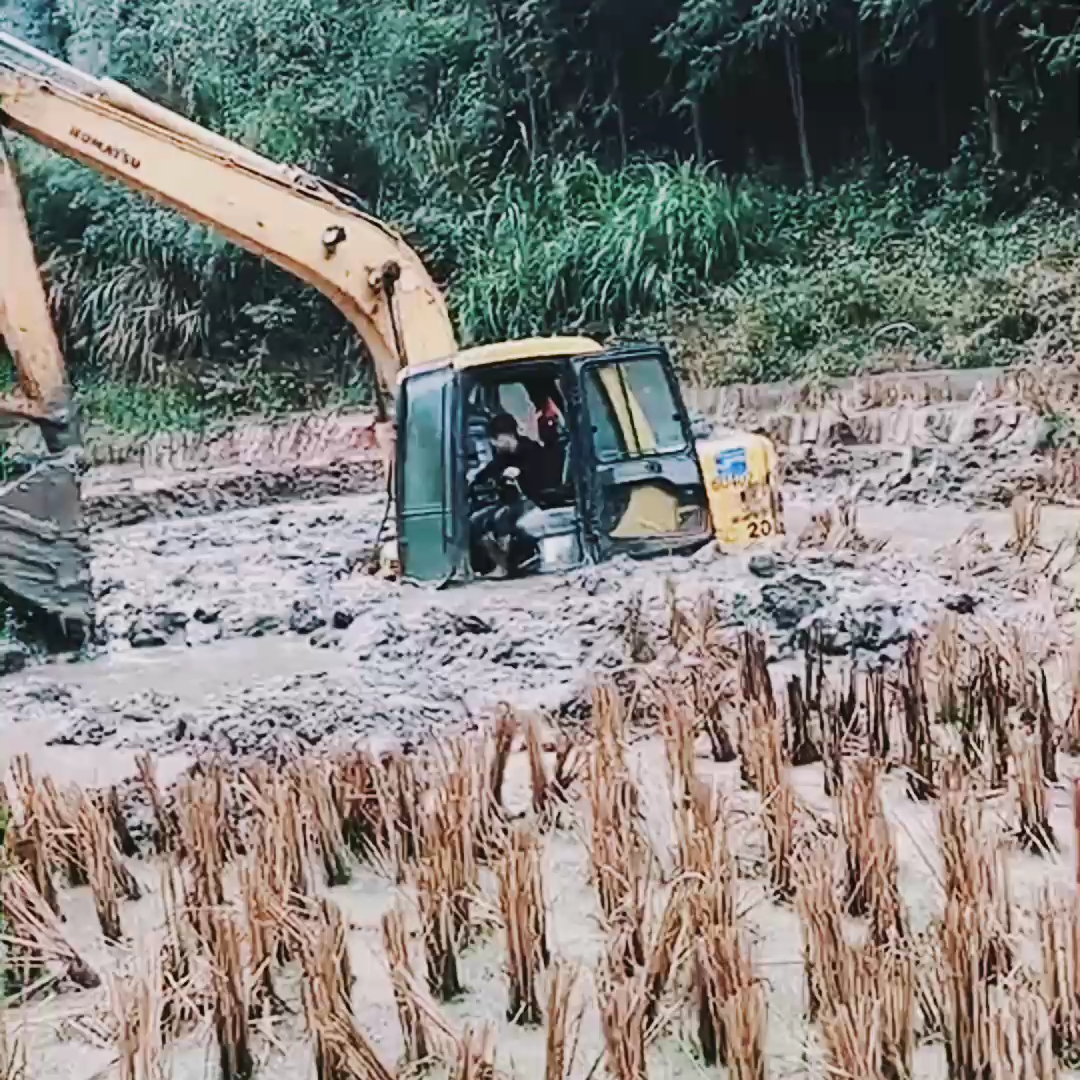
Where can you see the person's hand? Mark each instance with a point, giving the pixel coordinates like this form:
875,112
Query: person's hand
512,473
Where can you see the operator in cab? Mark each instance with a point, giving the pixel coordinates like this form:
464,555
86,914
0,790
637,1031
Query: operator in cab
519,473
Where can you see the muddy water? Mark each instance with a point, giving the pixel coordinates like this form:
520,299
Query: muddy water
246,631
182,677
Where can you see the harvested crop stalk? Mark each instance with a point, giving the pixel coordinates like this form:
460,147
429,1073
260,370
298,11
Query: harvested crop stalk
411,1018
13,1061
1034,832
356,796
33,935
260,906
677,726
230,998
619,852
202,845
475,1058
872,886
96,841
438,922
539,781
778,813
521,898
623,1006
140,1005
918,737
862,996
563,1021
166,826
730,1012
317,797
1059,941
124,840
502,742
176,948
342,1051
975,936
30,833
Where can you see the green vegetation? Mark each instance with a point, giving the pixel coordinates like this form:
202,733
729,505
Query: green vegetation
777,189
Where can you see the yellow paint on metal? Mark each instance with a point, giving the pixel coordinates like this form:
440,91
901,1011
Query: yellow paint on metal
742,483
636,430
538,348
652,511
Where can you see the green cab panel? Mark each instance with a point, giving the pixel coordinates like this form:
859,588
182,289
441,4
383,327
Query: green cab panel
425,487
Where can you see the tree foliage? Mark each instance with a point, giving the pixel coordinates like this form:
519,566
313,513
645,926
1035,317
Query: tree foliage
559,163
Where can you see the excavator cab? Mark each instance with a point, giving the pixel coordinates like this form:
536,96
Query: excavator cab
618,471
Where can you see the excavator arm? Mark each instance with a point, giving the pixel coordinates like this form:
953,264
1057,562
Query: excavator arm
295,220
281,213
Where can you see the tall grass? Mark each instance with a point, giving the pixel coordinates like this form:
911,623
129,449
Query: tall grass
572,244
167,326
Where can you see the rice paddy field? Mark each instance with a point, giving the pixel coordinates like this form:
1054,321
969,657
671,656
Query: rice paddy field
812,868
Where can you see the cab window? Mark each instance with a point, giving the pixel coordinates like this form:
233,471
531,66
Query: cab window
632,410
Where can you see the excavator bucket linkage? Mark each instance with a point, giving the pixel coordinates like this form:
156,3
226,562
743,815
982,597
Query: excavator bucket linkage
44,551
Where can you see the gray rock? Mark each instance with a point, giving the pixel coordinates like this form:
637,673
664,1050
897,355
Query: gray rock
764,565
788,601
343,618
261,625
305,618
145,635
13,657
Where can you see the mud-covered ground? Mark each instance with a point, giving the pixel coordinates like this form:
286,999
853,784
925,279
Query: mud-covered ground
255,628
258,631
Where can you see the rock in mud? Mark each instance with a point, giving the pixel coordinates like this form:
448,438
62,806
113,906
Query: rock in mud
13,657
260,625
145,635
305,618
793,598
343,618
962,603
764,565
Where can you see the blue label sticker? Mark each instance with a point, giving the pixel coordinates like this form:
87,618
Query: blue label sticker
731,465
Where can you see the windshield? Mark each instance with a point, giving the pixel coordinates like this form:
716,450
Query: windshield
632,410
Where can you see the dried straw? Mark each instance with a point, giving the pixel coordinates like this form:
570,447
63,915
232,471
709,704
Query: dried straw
521,898
872,886
1059,942
356,796
410,1016
32,933
475,1058
166,830
1034,832
13,1059
96,839
342,1051
975,934
139,1004
918,736
563,1021
502,742
623,1001
322,816
230,1003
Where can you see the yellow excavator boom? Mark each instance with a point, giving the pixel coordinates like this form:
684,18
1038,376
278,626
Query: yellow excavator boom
284,214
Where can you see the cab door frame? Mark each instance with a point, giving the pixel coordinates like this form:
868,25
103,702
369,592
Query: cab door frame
681,468
451,562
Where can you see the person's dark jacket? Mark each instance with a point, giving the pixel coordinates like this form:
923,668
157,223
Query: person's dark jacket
530,458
